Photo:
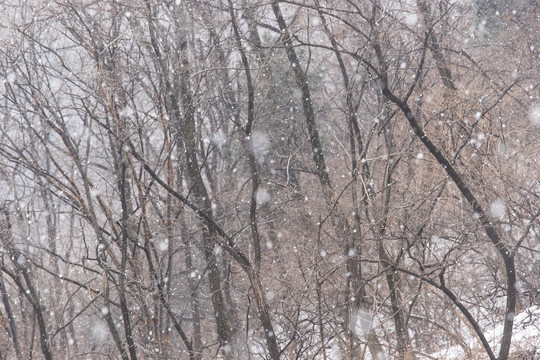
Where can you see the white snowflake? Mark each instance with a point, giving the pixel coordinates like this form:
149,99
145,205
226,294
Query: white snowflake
534,114
260,143
498,209
262,196
100,332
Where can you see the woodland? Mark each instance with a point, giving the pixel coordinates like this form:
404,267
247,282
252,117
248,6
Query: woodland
249,179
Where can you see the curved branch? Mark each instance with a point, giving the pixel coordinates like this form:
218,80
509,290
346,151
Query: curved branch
506,255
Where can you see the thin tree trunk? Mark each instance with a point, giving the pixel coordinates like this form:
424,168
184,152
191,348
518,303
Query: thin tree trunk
122,188
186,134
440,61
254,272
309,113
11,319
355,285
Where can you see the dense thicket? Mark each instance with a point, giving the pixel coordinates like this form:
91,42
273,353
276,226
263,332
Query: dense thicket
268,179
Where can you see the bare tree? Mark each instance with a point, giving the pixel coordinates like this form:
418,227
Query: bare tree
284,179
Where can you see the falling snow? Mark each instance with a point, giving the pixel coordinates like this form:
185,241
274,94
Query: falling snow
497,209
534,114
262,196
